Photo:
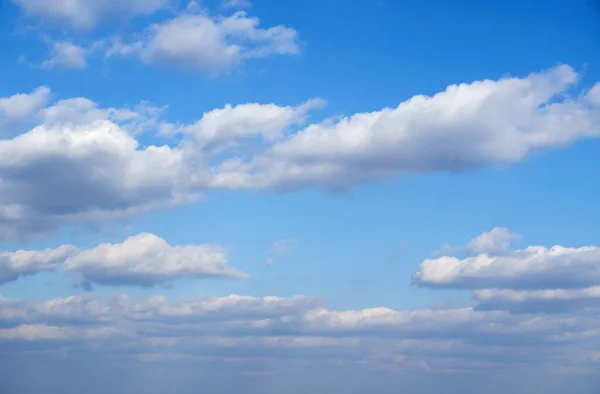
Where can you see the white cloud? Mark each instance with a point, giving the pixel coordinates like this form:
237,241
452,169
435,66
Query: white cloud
86,14
495,241
71,310
535,301
535,267
465,127
141,260
209,44
65,54
148,260
23,105
28,262
298,328
57,174
226,126
112,175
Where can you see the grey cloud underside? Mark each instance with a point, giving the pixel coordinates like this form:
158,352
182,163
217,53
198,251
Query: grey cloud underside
84,164
246,328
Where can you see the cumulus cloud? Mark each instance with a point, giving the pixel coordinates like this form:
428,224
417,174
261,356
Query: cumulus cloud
28,262
210,44
148,260
223,128
66,55
23,105
141,260
86,14
535,267
266,146
465,127
497,240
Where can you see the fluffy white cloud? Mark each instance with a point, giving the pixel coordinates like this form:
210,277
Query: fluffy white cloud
467,126
86,14
55,174
28,262
535,267
65,54
141,260
67,311
495,241
23,105
224,127
148,260
210,44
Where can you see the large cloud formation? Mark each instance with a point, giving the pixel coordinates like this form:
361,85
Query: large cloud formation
111,174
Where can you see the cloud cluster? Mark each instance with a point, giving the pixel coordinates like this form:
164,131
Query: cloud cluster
143,260
537,279
267,146
298,328
546,325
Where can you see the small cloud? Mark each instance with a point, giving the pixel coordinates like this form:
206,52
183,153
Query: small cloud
66,55
497,240
281,248
447,250
238,4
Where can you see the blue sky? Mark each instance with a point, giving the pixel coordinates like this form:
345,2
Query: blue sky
318,189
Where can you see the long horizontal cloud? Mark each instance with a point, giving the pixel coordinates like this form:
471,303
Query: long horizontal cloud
264,146
142,260
235,327
540,301
535,267
28,262
86,14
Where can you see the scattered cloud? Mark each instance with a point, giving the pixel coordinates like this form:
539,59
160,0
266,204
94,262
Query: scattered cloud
213,45
142,260
497,240
535,267
147,260
66,55
23,105
86,14
28,262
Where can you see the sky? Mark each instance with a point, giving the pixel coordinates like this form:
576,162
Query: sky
261,196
